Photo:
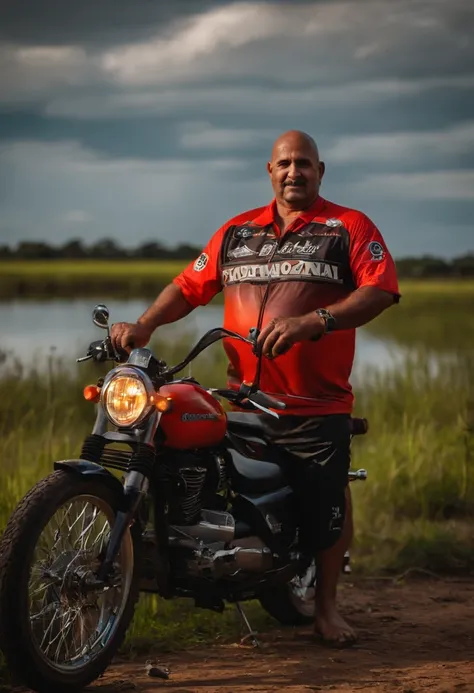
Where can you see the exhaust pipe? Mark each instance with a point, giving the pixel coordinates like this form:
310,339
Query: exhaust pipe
248,560
215,526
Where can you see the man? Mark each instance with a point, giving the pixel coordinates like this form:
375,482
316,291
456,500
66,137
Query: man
278,267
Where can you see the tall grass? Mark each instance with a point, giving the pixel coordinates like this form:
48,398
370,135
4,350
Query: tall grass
436,316
416,507
419,450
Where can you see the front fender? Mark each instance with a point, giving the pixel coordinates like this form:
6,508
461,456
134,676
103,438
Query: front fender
89,469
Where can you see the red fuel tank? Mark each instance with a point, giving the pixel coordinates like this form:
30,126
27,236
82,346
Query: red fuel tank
196,418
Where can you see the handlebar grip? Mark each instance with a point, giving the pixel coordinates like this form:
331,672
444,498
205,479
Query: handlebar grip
266,401
358,427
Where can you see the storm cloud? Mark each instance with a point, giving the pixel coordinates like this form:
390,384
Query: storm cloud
123,118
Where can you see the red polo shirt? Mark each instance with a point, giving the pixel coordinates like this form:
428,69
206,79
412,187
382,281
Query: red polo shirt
326,253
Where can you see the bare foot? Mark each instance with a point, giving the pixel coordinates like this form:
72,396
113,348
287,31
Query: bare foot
331,628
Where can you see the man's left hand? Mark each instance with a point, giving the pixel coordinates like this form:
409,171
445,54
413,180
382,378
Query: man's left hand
280,334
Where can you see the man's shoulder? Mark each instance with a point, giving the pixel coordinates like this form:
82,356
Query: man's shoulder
348,216
243,217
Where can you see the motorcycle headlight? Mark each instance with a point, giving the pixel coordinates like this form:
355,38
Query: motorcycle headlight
127,398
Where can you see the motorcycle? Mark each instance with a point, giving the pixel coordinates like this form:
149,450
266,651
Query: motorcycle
172,495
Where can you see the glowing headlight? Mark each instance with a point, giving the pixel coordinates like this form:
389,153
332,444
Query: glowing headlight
126,399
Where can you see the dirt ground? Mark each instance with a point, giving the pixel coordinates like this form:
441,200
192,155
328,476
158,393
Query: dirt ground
414,636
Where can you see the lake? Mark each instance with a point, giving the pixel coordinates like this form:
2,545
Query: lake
31,328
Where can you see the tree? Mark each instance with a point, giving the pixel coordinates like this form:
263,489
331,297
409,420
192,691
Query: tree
108,249
32,250
73,249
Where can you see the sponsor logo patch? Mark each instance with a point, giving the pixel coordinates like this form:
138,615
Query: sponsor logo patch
303,269
376,250
298,248
266,249
333,222
243,233
201,262
242,251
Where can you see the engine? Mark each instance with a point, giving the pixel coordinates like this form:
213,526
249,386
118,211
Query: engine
195,482
201,532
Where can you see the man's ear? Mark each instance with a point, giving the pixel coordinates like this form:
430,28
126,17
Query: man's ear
322,169
269,168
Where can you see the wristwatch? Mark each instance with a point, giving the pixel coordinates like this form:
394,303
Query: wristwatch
329,320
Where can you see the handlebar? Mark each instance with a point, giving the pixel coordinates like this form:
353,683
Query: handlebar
102,350
358,427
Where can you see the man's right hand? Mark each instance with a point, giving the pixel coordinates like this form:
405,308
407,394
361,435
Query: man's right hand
129,335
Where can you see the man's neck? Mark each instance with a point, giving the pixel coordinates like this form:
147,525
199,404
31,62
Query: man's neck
285,215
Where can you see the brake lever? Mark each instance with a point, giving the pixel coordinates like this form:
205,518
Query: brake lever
264,409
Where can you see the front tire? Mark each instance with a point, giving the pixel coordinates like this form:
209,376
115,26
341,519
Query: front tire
293,604
57,630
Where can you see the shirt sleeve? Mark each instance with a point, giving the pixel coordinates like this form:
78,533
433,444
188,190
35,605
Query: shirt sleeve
200,281
370,260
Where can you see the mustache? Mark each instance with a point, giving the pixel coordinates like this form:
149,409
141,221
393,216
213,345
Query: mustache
299,183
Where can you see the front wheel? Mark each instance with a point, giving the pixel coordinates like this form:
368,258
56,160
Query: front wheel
293,604
59,628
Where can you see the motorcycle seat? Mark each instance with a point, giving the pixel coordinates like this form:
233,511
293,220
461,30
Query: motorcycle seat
250,475
245,424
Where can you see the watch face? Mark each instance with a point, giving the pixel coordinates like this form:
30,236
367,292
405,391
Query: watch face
329,319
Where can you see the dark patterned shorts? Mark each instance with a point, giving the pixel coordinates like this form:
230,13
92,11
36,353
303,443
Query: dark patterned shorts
317,470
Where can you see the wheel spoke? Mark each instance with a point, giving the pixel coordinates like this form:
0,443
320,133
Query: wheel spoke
70,623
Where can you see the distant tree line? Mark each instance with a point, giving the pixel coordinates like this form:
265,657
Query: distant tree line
106,248
426,266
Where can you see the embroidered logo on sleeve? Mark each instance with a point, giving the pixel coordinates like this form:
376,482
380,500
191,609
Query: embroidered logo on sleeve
377,251
332,223
201,262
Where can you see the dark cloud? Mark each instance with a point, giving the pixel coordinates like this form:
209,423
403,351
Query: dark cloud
104,129
97,22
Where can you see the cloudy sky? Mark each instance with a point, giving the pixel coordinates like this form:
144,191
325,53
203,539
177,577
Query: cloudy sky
153,120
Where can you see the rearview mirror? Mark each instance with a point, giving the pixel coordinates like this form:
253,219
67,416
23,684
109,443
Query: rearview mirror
100,316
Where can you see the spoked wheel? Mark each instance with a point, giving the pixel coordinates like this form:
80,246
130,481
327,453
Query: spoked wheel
293,604
60,626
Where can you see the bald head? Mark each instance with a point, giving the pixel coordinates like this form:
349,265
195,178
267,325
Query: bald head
295,170
295,138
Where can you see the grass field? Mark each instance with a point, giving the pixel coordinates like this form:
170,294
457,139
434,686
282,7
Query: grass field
50,278
107,268
416,508
43,278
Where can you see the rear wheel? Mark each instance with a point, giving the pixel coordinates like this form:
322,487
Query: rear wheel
293,604
59,627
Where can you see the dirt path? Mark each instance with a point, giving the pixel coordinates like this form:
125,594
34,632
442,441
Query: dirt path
417,636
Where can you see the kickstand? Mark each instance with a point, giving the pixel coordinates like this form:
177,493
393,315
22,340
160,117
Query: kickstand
252,634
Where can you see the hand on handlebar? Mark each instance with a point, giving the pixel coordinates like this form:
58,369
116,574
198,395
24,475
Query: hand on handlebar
126,336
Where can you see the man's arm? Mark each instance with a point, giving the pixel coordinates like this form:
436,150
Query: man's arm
360,307
169,306
375,276
197,284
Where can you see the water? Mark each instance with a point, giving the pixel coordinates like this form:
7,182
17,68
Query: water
31,329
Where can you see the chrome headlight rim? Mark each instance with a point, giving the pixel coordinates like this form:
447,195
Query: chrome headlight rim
127,372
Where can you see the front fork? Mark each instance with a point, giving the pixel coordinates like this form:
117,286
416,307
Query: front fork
135,489
136,483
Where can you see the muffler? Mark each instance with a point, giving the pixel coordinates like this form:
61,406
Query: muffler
248,560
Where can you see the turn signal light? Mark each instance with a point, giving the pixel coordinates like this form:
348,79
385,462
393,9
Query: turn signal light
163,404
91,393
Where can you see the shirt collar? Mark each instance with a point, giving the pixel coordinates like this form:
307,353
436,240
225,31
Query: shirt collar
268,216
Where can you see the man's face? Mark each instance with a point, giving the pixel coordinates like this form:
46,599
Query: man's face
295,172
